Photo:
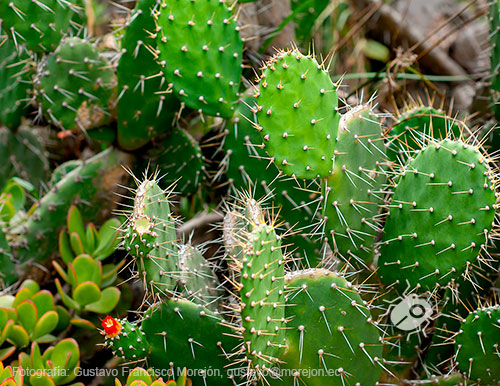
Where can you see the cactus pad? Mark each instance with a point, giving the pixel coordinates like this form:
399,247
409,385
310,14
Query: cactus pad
75,86
331,330
296,109
38,25
201,51
354,189
145,107
440,216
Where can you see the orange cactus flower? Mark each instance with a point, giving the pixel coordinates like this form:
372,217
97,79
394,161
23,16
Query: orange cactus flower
112,327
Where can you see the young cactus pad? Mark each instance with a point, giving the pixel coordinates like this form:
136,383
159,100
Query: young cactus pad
150,238
201,51
330,330
262,299
296,107
440,216
417,124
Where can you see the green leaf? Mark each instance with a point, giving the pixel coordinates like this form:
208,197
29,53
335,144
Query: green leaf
44,301
45,325
18,336
86,293
66,355
41,378
139,374
87,269
26,185
15,194
22,294
32,285
36,357
27,315
7,327
67,301
75,223
76,243
83,323
92,238
7,210
108,301
60,270
64,318
182,379
110,272
65,248
6,301
6,352
109,240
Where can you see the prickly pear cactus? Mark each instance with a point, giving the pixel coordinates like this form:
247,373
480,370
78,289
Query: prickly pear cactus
75,86
205,346
262,299
296,106
145,107
197,279
38,25
246,167
476,346
440,216
16,72
126,339
151,240
329,330
354,190
201,51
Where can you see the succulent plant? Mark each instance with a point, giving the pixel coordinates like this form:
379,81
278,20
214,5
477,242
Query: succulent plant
39,26
57,365
440,216
75,86
87,240
200,50
89,186
141,377
476,346
22,155
15,82
29,316
146,106
296,106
